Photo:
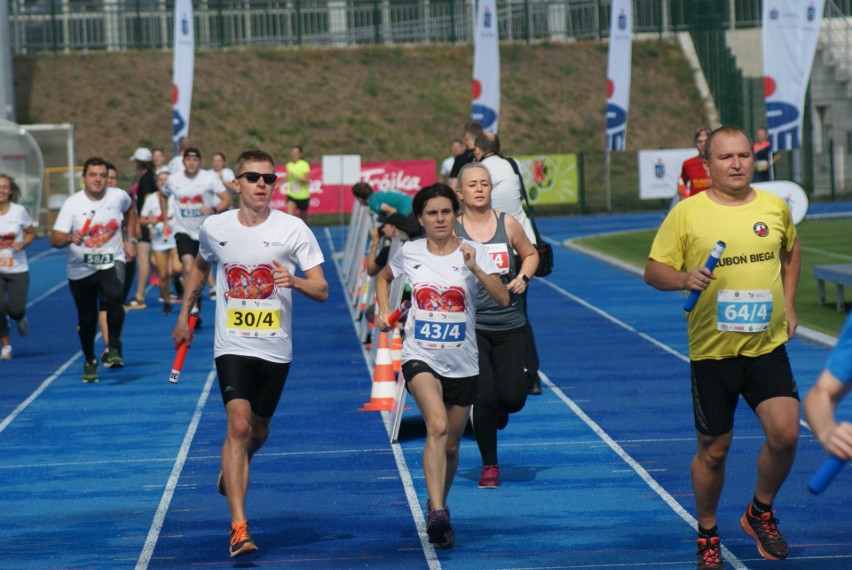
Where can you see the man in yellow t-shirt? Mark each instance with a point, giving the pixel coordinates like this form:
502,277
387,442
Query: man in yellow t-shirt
298,191
737,331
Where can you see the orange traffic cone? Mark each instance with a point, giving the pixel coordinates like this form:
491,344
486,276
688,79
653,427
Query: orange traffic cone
396,350
384,383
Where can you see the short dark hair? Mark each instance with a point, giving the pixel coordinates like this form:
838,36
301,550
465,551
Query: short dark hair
726,130
434,191
192,150
488,143
362,191
473,128
94,161
700,130
253,156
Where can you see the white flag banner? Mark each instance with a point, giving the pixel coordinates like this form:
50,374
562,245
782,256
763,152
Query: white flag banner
618,74
183,70
486,67
659,171
790,33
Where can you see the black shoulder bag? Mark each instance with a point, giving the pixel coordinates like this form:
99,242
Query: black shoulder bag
545,250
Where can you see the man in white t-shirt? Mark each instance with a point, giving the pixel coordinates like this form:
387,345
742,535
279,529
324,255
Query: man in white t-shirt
198,194
505,183
91,223
456,148
175,165
257,251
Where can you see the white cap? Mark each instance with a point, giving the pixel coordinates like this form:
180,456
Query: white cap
142,154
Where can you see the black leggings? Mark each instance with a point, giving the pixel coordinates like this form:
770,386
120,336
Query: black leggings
106,285
502,384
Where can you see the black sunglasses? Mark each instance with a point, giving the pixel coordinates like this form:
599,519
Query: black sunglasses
255,176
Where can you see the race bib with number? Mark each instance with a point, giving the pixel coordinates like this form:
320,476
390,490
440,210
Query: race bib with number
254,317
499,253
6,259
743,311
190,212
439,330
99,259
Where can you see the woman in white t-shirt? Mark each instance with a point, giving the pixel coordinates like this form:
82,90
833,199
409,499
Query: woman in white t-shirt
439,354
16,233
163,248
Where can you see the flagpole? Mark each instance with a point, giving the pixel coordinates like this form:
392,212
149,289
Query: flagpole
607,191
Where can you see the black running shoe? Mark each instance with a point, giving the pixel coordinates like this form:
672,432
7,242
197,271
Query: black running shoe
764,530
439,529
709,554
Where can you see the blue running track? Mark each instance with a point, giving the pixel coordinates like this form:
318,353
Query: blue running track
595,471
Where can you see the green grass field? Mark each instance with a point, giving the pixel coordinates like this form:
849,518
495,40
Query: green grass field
822,242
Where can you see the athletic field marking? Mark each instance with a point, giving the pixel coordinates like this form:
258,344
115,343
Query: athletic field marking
47,293
826,253
37,392
641,471
169,491
404,474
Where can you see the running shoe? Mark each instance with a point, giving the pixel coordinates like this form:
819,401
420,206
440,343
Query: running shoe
764,530
429,508
241,542
23,326
490,477
135,304
113,359
534,386
167,308
709,554
220,484
502,419
6,352
90,371
439,529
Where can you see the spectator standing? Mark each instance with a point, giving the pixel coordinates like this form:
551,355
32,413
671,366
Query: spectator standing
472,129
764,158
456,148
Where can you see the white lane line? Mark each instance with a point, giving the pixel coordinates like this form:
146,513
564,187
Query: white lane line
641,471
166,499
405,475
37,392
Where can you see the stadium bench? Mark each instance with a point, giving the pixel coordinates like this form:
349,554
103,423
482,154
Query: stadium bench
840,275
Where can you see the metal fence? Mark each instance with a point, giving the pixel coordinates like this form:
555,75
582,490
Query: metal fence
84,25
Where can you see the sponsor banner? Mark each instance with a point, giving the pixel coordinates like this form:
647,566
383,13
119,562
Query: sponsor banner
408,176
790,33
486,67
659,171
551,178
183,65
618,74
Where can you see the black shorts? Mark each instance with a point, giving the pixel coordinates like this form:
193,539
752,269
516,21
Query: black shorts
718,384
456,391
259,381
301,204
186,245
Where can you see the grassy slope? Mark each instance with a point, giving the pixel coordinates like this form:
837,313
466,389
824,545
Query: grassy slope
380,102
822,242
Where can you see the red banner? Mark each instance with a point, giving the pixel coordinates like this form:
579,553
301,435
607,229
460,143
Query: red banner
408,176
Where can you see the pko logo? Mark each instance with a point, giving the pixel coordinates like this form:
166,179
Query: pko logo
660,169
622,21
487,17
783,123
485,116
178,122
616,126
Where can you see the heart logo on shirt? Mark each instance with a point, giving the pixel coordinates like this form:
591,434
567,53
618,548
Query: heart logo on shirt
430,298
249,283
101,233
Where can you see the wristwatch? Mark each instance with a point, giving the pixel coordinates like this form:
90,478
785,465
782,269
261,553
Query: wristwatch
525,278
133,240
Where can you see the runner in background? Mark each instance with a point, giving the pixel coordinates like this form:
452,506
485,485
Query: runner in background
16,233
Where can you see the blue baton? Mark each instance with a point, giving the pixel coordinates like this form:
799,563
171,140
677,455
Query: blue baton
710,265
